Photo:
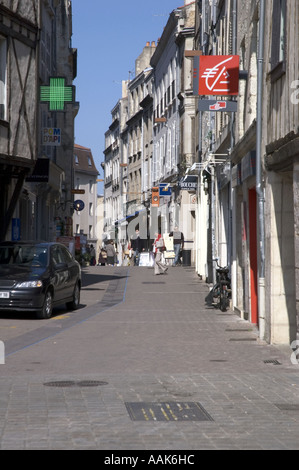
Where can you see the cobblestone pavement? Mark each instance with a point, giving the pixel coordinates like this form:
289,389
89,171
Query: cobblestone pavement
147,365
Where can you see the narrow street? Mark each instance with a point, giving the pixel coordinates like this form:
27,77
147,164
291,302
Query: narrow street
144,364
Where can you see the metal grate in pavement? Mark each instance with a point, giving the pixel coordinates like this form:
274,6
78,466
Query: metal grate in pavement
287,406
272,361
71,383
153,283
242,330
167,411
242,339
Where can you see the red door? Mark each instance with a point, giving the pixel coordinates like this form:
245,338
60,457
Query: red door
253,255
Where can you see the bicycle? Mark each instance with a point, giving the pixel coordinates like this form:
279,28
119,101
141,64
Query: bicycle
221,291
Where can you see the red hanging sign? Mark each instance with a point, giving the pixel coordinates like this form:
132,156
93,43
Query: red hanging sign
218,75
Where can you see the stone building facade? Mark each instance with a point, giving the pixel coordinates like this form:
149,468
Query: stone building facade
255,187
85,179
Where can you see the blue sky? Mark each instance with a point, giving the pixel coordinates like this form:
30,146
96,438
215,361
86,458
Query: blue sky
109,36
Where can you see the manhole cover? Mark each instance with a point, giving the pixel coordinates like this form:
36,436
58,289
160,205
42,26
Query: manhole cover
71,383
167,411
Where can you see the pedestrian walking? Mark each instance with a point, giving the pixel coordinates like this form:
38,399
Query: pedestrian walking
102,257
93,260
110,253
137,246
158,247
178,244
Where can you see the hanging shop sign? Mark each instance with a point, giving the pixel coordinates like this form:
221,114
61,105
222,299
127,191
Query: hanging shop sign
217,105
57,94
78,191
188,183
51,137
40,172
216,75
79,205
155,197
164,189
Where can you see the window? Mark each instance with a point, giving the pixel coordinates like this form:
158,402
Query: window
66,256
76,160
57,257
3,54
278,52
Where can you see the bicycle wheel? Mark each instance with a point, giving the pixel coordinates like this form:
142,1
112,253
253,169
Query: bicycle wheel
215,294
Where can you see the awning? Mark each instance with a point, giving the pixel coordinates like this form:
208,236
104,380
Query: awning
130,216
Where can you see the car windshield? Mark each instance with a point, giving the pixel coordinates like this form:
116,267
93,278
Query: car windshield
24,255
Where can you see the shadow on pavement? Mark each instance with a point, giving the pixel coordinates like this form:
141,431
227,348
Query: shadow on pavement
90,279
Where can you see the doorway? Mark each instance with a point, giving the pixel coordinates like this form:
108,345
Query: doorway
253,255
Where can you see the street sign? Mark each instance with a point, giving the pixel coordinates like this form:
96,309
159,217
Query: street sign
217,105
216,75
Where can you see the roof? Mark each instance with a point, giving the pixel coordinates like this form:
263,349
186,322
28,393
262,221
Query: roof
83,160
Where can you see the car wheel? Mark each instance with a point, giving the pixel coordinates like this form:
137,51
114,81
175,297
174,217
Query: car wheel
74,304
46,312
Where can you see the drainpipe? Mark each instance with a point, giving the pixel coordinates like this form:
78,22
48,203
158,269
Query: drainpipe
233,246
259,186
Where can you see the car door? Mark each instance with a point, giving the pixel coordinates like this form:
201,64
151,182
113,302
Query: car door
60,273
72,272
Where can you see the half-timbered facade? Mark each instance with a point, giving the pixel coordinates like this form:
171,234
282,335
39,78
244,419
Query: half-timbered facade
19,29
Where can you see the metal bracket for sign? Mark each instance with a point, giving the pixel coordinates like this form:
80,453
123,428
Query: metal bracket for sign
217,159
199,167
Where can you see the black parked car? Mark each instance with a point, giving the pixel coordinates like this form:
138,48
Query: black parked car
37,276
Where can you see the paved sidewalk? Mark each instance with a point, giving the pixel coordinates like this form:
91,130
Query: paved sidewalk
149,366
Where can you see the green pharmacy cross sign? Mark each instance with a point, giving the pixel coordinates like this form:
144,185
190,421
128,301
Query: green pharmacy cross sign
57,94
